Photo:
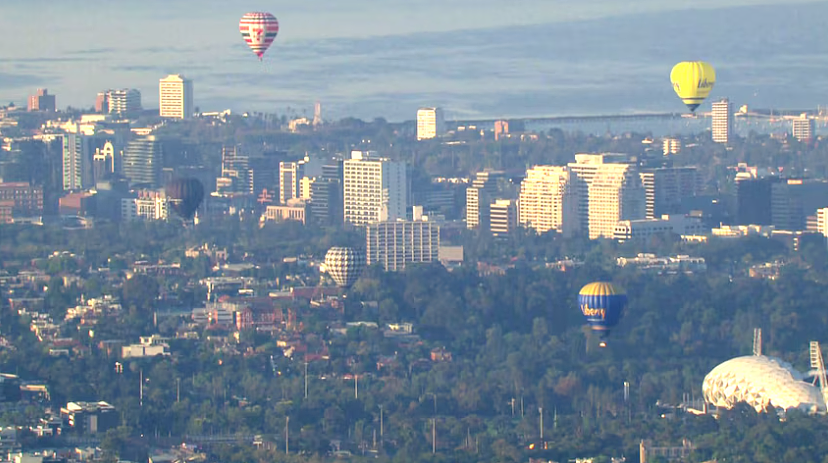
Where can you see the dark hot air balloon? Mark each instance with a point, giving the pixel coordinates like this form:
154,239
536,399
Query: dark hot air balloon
184,196
602,304
344,265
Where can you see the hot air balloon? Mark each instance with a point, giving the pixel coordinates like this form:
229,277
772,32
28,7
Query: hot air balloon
602,304
184,196
344,265
258,29
692,81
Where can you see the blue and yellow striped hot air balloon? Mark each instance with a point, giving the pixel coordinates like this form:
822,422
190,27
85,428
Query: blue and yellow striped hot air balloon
602,304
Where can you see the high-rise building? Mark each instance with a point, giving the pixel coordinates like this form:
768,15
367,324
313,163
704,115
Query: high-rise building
501,128
143,158
104,161
503,217
374,189
615,194
175,97
666,187
430,123
583,171
148,205
822,221
548,200
42,101
803,128
479,197
722,121
671,146
317,114
794,199
77,162
234,170
396,244
753,200
292,173
123,101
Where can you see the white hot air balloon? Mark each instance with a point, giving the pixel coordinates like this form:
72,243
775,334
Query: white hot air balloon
344,265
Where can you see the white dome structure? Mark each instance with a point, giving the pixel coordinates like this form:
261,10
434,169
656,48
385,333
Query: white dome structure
763,383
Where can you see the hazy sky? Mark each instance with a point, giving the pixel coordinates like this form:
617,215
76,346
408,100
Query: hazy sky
79,47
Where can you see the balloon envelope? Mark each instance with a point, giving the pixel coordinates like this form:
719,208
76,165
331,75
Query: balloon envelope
259,29
184,196
603,305
692,81
344,265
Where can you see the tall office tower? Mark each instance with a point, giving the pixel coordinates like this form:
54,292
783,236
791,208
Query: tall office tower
374,189
753,200
395,244
666,187
479,197
583,171
317,114
501,128
104,161
794,199
101,103
262,174
234,169
548,200
143,158
77,162
292,173
430,123
175,97
615,194
42,101
503,217
803,128
722,121
325,201
671,146
124,101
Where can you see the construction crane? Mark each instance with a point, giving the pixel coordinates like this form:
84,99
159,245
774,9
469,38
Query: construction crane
819,366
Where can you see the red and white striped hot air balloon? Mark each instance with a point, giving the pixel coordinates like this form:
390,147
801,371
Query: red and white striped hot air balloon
258,29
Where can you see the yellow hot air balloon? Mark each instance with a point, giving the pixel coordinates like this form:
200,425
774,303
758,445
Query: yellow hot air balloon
692,81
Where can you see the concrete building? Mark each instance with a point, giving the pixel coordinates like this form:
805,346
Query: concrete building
430,123
615,194
665,188
175,97
503,218
671,146
584,170
90,417
295,209
722,121
375,189
142,161
548,200
291,175
42,101
396,244
666,226
479,197
148,205
122,102
803,128
501,128
23,198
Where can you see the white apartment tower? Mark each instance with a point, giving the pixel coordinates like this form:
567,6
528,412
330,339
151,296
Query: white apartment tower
615,194
124,101
374,189
548,201
175,97
291,175
665,188
722,121
479,197
583,170
430,123
395,244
